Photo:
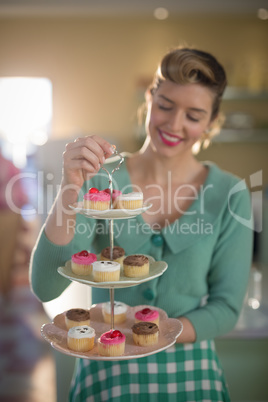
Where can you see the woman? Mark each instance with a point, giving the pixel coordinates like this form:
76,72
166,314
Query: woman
192,226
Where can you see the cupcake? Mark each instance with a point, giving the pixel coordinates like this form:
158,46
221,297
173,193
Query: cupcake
98,200
106,271
145,333
147,314
120,312
76,317
118,254
136,265
81,263
112,343
115,194
81,338
130,201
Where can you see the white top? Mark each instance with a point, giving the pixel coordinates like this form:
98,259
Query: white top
81,331
119,307
106,266
130,196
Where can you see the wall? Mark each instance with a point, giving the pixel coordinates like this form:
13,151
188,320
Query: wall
95,66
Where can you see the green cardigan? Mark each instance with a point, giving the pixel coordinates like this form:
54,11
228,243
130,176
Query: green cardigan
208,251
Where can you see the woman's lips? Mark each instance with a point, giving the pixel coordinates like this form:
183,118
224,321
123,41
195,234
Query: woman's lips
169,139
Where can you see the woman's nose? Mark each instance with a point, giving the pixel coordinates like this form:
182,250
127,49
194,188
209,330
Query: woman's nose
176,121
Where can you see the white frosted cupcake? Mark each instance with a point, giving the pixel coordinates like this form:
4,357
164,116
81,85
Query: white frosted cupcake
130,201
81,338
106,271
120,312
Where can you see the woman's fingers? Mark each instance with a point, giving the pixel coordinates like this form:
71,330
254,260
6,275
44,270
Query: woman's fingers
84,157
82,154
100,147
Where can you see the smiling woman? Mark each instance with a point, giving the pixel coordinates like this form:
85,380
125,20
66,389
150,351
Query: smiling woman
199,235
178,114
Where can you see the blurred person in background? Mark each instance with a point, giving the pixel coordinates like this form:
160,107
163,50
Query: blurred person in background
12,198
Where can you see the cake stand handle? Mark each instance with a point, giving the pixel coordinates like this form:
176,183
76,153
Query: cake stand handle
111,232
111,227
112,307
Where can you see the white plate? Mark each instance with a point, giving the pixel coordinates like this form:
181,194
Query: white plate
157,268
169,330
109,213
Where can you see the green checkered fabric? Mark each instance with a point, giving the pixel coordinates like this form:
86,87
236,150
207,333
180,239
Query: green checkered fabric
189,372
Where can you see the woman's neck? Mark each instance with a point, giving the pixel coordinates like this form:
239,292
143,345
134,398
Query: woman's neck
158,168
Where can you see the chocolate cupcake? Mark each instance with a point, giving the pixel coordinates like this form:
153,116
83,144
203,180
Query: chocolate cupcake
145,333
118,254
136,265
77,316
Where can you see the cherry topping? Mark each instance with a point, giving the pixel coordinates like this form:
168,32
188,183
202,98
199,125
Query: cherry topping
107,190
83,253
115,334
93,190
146,310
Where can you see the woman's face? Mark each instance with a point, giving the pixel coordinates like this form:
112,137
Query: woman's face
177,117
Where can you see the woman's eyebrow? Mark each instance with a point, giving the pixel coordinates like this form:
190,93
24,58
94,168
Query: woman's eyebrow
196,109
165,98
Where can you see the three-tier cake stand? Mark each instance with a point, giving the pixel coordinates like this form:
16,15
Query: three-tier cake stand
169,328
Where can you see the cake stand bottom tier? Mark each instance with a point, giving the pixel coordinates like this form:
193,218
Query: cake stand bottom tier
169,330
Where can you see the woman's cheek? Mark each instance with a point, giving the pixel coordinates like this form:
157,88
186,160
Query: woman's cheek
196,134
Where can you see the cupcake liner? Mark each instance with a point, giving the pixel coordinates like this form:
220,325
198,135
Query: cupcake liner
145,340
97,205
129,204
111,350
134,271
80,345
81,269
100,276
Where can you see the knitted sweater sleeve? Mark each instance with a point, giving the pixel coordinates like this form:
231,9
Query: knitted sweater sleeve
229,271
46,257
46,283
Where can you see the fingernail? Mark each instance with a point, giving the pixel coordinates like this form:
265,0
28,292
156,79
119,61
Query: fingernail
112,150
102,159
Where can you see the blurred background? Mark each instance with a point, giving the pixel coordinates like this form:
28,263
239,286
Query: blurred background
70,69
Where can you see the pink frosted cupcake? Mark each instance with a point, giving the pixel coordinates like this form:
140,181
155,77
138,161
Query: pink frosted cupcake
147,315
115,194
112,343
95,199
82,262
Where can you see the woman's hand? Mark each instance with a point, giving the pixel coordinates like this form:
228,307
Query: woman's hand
82,159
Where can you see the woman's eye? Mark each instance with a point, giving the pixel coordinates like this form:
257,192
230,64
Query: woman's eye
193,119
164,107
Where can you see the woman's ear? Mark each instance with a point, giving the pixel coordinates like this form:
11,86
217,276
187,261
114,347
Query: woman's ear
148,96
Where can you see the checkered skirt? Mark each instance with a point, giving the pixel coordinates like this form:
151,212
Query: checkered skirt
189,372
